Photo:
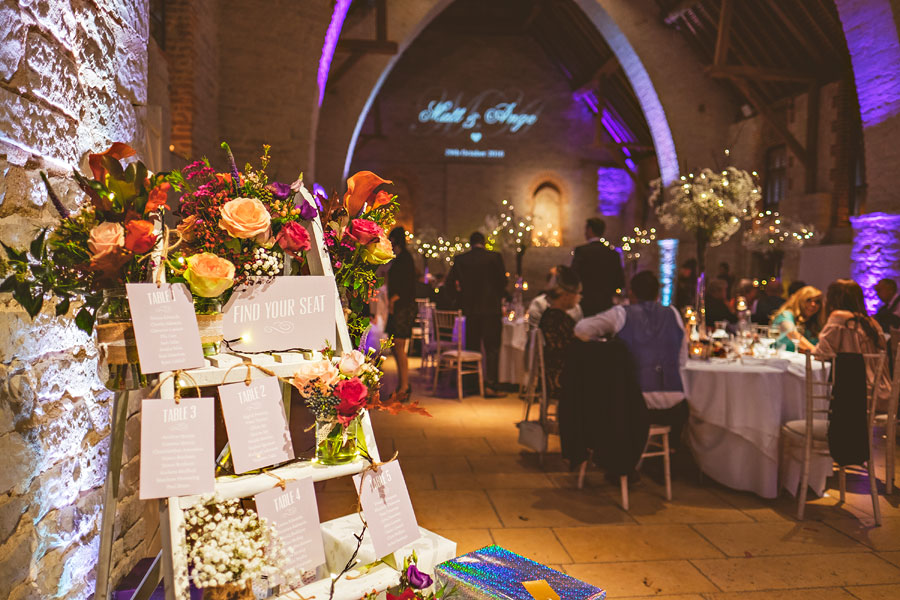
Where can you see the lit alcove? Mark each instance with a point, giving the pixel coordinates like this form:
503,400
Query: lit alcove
546,214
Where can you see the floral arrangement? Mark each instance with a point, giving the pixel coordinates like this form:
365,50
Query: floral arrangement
357,243
413,584
230,546
770,233
236,226
711,205
101,246
338,388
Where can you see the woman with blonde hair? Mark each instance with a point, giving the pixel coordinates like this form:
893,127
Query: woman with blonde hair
800,318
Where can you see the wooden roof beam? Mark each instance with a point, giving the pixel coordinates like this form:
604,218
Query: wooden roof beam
757,73
723,34
380,45
608,67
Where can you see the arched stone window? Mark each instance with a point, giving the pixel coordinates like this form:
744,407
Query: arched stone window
546,215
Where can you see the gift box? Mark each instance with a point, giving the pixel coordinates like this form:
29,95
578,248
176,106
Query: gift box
494,573
340,542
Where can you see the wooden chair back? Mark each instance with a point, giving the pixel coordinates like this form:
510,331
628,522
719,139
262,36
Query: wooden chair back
445,324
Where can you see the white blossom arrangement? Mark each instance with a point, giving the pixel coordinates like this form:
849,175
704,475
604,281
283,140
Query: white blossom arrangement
230,545
709,204
770,233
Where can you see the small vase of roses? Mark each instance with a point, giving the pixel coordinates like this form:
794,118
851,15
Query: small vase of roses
337,389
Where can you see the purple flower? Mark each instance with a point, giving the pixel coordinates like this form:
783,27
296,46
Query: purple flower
280,190
417,579
308,212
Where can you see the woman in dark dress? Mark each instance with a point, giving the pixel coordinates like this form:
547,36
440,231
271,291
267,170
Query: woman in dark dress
401,292
557,326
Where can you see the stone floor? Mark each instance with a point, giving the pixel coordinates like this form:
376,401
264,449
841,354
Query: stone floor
470,481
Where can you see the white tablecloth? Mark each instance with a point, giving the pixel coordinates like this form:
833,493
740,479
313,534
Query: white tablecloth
737,410
514,338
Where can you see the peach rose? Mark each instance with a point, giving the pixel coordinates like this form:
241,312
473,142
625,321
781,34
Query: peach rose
321,371
105,237
351,363
208,275
246,218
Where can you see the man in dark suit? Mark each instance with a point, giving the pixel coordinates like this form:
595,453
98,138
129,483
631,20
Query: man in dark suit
480,279
600,269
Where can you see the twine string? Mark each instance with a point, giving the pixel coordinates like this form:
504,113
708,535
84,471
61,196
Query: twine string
176,374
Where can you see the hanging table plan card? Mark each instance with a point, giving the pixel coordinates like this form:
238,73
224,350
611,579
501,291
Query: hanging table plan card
282,313
387,508
177,448
256,424
165,327
295,515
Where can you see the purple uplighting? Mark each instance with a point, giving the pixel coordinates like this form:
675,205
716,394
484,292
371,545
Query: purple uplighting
331,39
876,252
614,187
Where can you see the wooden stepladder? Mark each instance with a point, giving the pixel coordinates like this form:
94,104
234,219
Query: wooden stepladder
172,557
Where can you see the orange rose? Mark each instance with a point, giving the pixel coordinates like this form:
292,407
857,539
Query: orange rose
105,237
158,197
139,236
360,191
322,372
246,218
186,228
208,275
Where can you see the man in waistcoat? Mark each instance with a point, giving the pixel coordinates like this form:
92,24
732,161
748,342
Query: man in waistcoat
655,336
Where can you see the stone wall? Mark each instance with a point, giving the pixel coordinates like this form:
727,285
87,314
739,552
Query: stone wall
72,79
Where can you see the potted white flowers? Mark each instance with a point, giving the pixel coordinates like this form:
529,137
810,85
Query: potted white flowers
228,547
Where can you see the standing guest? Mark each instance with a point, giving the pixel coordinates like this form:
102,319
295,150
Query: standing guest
849,328
401,293
557,325
768,301
599,267
800,318
717,303
686,285
888,315
726,276
543,300
655,336
479,277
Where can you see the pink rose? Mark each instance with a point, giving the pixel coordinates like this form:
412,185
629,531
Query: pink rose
246,218
292,238
106,237
353,394
363,231
321,371
351,363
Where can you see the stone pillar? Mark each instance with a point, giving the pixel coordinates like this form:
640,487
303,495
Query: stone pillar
876,252
74,79
871,32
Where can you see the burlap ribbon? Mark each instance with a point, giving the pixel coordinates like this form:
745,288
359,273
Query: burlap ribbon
211,331
117,340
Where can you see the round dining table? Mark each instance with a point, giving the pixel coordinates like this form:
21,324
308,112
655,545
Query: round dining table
737,408
513,339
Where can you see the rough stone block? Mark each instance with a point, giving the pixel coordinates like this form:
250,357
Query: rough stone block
11,510
36,127
12,39
52,75
18,457
15,563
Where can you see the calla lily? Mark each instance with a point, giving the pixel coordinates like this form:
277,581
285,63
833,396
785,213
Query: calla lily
361,191
117,151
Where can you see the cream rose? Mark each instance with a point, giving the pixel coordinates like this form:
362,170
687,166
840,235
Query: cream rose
246,218
351,363
105,237
322,370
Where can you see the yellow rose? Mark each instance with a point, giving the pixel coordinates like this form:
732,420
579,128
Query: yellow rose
246,218
378,251
208,275
105,237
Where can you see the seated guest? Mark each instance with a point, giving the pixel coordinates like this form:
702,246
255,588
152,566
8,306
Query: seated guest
537,306
557,326
799,317
795,286
746,290
888,315
768,301
717,303
849,328
655,336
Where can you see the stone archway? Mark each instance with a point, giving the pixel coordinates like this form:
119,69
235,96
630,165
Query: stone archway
661,68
